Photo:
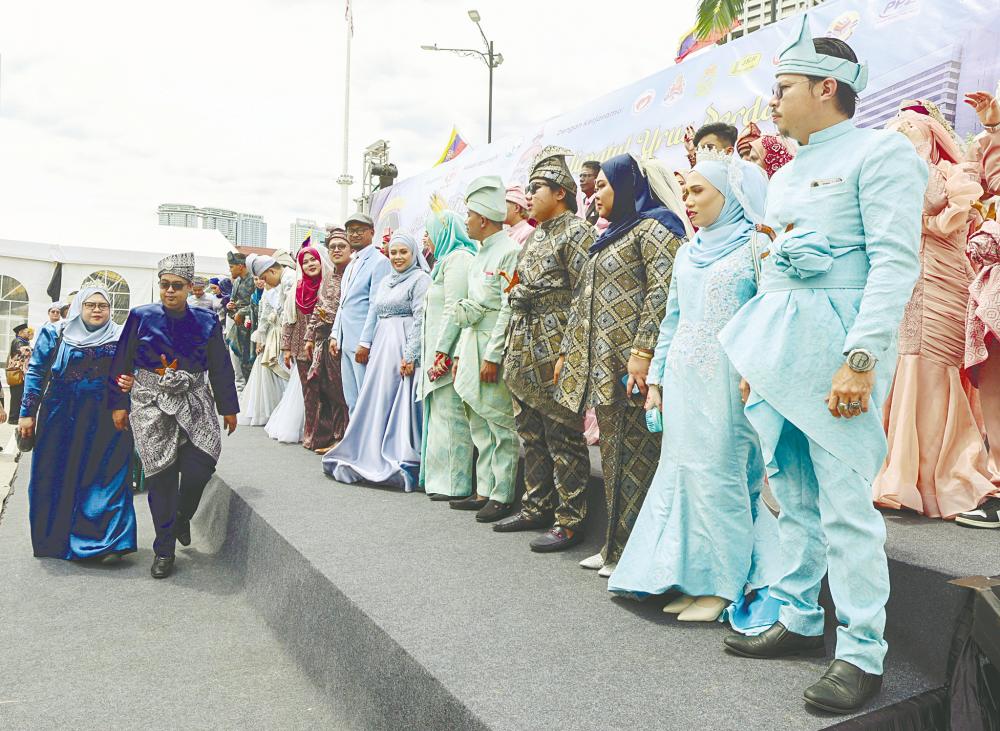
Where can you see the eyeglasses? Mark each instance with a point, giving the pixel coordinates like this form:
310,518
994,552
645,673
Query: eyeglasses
354,231
174,286
779,89
339,247
96,306
535,187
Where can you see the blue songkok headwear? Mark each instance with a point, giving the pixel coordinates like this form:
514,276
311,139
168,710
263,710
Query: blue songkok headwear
801,58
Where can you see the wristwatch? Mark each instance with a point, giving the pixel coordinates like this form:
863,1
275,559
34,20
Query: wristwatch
860,360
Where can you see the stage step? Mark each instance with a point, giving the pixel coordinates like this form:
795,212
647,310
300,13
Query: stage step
410,615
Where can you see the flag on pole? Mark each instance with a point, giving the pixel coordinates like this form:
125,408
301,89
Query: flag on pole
456,145
307,241
349,17
691,43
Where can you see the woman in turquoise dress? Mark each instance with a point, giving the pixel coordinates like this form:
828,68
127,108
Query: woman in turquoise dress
703,529
446,466
79,496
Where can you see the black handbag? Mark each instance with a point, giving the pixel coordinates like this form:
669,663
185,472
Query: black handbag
26,444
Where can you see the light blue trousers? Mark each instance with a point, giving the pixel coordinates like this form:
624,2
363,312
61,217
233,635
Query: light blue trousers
829,525
352,375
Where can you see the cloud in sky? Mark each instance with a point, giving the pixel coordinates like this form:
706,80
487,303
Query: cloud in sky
108,109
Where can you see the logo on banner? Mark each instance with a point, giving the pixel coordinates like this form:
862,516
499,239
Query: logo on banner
642,103
707,80
896,9
747,63
844,25
675,92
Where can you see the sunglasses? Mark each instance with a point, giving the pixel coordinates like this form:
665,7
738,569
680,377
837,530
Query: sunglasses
535,187
173,286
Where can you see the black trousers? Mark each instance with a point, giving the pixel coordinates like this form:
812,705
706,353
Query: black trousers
176,491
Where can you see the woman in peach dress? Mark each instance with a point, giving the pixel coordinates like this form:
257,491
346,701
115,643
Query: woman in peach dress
937,463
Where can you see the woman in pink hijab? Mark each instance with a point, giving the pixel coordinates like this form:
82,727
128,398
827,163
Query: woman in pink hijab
937,464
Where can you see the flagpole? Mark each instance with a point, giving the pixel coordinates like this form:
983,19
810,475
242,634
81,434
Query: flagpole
345,180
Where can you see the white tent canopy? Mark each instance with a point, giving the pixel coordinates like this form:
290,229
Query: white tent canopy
140,249
123,261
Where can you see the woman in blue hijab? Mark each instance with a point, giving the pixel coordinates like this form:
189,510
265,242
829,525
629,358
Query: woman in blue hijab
610,335
80,494
703,529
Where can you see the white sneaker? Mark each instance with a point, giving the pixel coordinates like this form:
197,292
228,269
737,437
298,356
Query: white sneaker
592,562
607,569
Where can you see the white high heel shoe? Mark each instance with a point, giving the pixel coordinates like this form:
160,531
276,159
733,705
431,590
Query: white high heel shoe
704,609
679,604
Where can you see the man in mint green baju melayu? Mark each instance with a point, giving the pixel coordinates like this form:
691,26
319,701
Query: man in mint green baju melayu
478,380
817,348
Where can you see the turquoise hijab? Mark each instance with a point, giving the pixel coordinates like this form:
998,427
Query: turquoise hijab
744,186
448,234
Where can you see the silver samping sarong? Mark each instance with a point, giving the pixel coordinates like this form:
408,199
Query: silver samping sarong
169,409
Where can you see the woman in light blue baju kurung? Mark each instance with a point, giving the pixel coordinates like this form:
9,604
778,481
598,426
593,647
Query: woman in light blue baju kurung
703,529
382,442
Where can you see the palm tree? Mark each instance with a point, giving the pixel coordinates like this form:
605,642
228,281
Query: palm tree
717,16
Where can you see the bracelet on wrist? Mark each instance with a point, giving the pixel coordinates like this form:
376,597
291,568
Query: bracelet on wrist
992,128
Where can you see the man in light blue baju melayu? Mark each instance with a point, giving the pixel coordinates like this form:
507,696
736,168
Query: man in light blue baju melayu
817,348
361,279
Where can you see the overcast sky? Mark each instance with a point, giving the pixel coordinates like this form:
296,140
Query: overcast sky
109,108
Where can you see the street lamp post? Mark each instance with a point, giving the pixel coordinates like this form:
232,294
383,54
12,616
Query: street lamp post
491,59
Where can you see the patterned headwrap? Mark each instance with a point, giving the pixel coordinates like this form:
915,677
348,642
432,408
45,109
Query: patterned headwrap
181,265
200,281
550,164
235,258
749,134
775,153
337,233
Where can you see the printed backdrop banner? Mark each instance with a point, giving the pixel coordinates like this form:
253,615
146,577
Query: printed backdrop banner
931,49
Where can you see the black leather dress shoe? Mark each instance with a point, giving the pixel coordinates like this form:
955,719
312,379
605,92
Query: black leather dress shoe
556,539
470,503
844,688
162,567
493,511
439,498
775,641
520,521
182,530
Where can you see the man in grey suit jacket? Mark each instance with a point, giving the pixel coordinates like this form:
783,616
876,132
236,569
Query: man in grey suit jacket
361,279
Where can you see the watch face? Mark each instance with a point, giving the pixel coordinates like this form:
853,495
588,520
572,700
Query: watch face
860,361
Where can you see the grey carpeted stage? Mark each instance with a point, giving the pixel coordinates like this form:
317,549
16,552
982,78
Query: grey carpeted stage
407,615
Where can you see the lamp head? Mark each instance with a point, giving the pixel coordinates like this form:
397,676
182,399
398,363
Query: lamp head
474,16
430,48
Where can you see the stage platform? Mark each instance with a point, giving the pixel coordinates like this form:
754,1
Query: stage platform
409,615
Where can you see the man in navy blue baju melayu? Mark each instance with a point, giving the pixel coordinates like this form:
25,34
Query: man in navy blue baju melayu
181,365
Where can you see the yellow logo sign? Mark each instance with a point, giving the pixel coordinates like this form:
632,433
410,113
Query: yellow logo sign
745,64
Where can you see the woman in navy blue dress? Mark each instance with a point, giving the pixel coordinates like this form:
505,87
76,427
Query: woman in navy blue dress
79,496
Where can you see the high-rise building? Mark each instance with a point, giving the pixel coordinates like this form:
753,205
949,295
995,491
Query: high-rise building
251,230
759,13
242,229
221,220
298,231
178,214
